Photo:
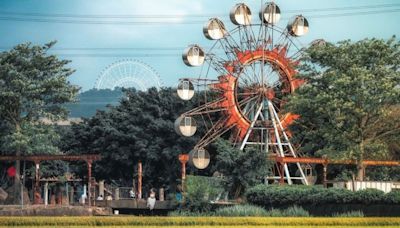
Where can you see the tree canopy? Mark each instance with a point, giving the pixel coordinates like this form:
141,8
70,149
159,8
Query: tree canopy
349,106
140,128
33,85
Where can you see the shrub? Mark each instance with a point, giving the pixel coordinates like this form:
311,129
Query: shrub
241,210
349,214
295,211
199,191
369,196
393,197
272,196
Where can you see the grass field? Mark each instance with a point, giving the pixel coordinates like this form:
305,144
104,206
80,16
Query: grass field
135,221
201,226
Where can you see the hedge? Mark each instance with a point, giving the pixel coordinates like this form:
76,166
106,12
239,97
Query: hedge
194,221
272,195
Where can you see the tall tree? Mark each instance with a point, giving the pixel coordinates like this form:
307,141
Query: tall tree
349,105
33,84
140,128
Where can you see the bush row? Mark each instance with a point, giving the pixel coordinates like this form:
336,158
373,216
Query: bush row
245,211
272,195
194,221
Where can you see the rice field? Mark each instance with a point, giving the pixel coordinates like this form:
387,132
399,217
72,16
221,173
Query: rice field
203,222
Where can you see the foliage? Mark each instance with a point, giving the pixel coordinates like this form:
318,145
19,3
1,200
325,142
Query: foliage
251,210
393,197
32,139
140,128
195,221
370,196
270,196
349,106
241,169
199,190
240,210
349,214
295,211
33,85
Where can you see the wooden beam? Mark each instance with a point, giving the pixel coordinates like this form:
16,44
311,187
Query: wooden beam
330,161
38,158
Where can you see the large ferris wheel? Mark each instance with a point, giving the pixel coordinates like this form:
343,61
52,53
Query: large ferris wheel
128,73
245,78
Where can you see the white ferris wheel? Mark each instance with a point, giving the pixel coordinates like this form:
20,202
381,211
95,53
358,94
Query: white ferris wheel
128,74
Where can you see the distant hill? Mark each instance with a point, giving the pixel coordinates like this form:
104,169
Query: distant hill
92,100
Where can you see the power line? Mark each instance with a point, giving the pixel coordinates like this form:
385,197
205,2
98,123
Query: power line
178,22
172,16
63,21
119,55
352,14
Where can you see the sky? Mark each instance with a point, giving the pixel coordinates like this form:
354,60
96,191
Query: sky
96,34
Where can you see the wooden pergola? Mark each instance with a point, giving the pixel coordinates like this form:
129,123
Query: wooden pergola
88,158
325,162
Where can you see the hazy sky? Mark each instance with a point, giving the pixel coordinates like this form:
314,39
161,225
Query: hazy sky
95,25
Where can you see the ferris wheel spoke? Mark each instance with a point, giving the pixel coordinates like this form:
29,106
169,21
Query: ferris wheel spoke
214,132
247,93
208,107
217,64
246,100
253,74
246,79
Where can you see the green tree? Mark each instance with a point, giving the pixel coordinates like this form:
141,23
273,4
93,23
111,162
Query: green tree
140,128
33,85
241,169
349,105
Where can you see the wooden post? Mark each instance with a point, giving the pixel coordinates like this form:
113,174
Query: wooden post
325,174
183,158
161,194
46,193
116,194
71,195
36,195
101,189
89,164
139,180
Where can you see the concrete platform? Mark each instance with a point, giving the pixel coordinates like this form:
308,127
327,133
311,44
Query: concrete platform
135,204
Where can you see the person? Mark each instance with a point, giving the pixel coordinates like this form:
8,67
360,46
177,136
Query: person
151,201
178,193
100,198
132,194
83,198
179,196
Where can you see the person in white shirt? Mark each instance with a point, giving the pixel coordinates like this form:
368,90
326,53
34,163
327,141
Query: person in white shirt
151,201
132,194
